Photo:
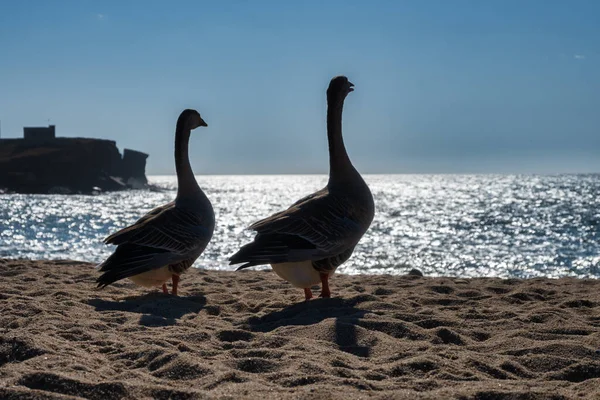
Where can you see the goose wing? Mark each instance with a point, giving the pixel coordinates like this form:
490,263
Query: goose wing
318,226
119,237
166,235
168,227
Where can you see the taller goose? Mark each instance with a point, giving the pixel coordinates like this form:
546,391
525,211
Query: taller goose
307,242
165,242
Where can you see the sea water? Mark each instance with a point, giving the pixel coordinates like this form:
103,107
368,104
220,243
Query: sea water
443,225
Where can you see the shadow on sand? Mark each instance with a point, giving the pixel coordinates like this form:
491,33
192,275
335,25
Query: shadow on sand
312,312
157,309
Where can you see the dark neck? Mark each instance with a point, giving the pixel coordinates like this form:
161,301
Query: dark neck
339,163
186,182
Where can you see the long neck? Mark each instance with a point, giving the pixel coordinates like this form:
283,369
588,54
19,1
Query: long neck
339,162
186,182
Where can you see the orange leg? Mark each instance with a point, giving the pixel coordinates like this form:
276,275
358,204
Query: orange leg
325,286
307,294
165,291
175,279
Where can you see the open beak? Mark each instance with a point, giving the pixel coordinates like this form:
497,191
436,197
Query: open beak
350,87
203,123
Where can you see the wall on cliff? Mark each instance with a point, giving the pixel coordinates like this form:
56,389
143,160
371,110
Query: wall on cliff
134,165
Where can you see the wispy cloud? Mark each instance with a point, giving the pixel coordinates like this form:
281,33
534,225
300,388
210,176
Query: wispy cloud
579,57
100,16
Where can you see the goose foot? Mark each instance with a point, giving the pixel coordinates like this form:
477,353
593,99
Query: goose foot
325,292
164,287
307,294
175,279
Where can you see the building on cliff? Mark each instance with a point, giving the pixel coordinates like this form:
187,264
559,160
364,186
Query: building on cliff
39,134
40,162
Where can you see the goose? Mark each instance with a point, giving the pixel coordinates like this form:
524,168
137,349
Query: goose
165,242
307,242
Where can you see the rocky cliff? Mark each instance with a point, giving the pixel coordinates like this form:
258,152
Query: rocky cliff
69,165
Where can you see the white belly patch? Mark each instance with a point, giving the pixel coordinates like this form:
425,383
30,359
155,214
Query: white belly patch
153,278
300,274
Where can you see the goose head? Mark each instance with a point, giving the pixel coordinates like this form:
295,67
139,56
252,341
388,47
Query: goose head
339,87
191,119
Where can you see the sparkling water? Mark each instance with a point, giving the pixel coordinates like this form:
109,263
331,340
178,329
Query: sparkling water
453,225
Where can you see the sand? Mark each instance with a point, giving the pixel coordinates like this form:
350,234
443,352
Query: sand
251,335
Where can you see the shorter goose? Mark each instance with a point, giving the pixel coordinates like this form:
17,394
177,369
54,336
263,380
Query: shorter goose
165,242
307,242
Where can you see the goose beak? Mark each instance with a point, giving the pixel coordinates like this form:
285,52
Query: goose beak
203,123
350,87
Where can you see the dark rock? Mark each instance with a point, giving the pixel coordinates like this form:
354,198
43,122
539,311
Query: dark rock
69,166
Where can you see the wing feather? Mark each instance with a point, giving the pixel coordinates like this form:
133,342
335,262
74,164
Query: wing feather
168,228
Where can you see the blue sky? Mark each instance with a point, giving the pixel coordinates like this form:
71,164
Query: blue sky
441,86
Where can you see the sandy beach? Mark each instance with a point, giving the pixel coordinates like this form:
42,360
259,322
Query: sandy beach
251,335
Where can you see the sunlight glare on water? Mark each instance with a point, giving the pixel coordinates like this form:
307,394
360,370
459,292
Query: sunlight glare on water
453,225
